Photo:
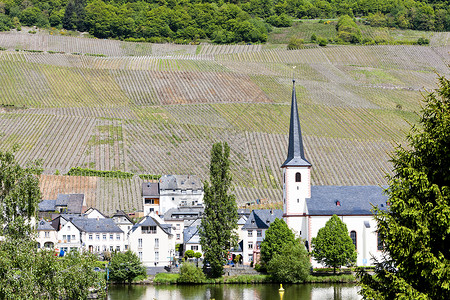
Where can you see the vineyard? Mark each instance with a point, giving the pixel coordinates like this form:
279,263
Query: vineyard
157,109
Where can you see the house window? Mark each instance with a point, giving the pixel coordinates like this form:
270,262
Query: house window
156,243
64,237
195,248
97,237
250,233
140,256
250,257
104,237
148,229
117,248
353,237
149,201
111,237
380,245
173,198
258,245
90,237
139,243
250,245
97,248
68,228
126,247
258,233
111,248
178,236
298,177
73,237
178,226
118,237
104,248
156,256
47,234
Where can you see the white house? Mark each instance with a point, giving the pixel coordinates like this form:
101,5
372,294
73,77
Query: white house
152,240
172,191
47,236
254,232
180,218
123,221
307,208
69,237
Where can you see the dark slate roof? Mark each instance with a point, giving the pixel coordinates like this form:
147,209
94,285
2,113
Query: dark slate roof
184,213
44,225
121,213
190,235
180,182
296,154
149,221
94,225
150,189
74,202
353,200
47,205
261,218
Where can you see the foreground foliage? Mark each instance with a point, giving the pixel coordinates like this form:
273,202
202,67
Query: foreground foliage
125,267
189,273
291,264
333,246
25,272
217,231
416,228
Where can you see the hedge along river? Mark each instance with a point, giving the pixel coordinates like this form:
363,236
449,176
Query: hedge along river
234,292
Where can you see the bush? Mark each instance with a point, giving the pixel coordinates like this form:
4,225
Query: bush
423,41
295,43
189,254
291,264
191,274
322,41
125,267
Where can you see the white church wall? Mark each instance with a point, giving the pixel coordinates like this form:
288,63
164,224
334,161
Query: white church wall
366,237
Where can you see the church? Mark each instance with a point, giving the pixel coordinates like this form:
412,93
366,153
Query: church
307,208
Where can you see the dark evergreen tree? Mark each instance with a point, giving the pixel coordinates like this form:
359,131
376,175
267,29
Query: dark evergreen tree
217,231
415,229
74,15
333,246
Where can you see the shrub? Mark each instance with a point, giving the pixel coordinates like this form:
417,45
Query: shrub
313,38
189,254
191,274
423,41
322,41
295,43
291,264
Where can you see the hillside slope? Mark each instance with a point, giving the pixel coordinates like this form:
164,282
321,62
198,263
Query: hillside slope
160,114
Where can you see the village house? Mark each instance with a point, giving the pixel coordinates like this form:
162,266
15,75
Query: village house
47,236
171,191
152,240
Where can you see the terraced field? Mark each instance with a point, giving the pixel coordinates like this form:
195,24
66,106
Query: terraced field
157,109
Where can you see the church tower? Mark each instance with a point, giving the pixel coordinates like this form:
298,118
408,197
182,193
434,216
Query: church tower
296,176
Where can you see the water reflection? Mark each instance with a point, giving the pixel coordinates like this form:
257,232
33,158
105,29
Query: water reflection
234,292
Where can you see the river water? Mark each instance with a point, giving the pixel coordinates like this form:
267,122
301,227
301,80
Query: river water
235,292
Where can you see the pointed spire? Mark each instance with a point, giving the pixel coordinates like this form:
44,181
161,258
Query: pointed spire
296,154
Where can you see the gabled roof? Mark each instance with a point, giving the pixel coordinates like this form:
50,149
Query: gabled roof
96,225
150,221
121,213
191,235
180,182
47,205
92,209
296,154
74,202
150,189
345,200
44,225
262,218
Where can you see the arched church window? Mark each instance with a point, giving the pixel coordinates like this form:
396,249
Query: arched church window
298,177
353,237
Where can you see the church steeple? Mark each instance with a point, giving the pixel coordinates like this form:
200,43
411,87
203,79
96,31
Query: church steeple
296,154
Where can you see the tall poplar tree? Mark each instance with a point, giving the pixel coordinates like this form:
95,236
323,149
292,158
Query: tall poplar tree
415,230
217,231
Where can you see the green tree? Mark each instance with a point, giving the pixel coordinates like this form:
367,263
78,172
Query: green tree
217,231
277,235
189,253
74,15
125,267
333,246
415,229
191,274
291,264
25,272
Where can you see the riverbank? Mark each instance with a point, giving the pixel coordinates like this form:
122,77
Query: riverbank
169,278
